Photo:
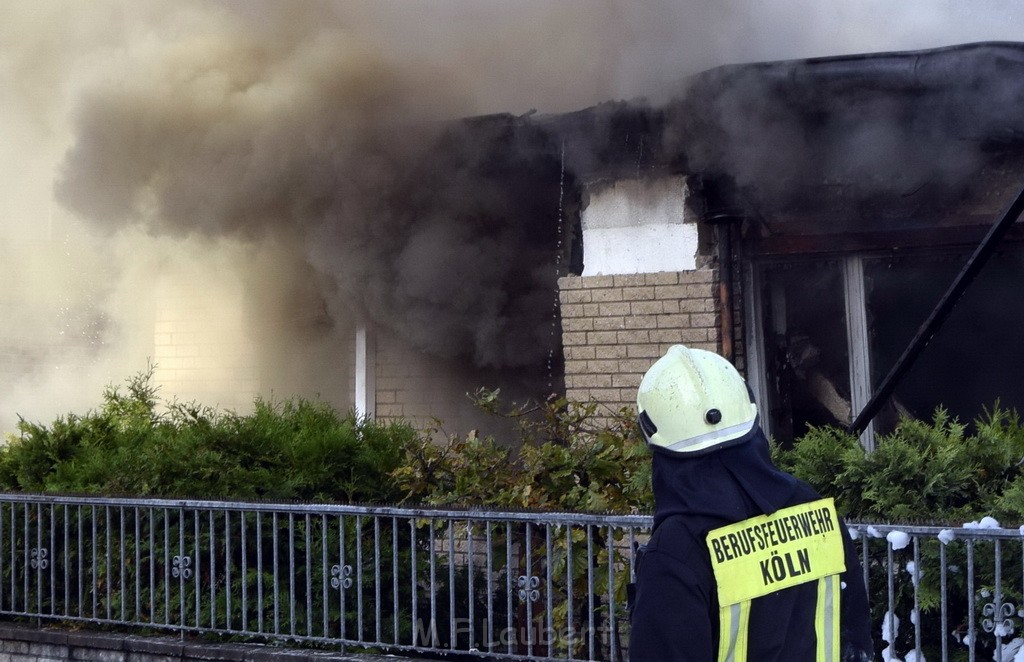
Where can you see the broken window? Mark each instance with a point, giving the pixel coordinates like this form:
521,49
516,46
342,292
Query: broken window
803,364
975,358
806,357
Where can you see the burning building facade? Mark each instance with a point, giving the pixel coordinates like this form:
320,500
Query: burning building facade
834,201
800,217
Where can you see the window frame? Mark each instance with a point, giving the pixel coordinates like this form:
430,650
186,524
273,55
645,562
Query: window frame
858,349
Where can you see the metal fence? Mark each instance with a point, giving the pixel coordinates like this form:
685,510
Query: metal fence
527,586
943,593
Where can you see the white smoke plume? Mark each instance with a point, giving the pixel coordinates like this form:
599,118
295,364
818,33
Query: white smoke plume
201,149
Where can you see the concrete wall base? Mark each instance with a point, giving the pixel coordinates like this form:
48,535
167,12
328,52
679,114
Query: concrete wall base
23,643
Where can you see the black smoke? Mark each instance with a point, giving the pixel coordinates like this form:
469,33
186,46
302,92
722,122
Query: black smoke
864,139
446,233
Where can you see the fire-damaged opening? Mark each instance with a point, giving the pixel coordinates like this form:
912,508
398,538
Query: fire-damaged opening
806,347
864,183
974,361
809,310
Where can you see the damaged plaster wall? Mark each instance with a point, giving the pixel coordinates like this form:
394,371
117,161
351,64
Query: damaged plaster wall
638,226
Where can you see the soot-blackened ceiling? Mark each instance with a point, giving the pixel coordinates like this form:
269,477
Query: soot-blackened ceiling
859,143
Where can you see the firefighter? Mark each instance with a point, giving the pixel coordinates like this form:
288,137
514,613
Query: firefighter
745,562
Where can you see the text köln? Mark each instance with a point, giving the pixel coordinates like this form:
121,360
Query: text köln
790,564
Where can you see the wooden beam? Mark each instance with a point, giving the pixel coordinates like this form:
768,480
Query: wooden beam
856,242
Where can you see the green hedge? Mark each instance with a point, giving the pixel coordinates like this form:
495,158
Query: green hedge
298,449
939,471
567,455
568,458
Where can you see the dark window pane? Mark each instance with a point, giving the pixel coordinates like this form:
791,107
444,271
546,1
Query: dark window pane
977,356
806,348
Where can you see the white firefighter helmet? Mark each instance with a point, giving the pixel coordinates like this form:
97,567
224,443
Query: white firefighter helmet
692,401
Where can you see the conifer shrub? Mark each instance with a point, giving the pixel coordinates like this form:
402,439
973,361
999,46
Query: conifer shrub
940,471
296,449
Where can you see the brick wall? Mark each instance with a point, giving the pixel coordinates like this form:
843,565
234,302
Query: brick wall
211,363
615,327
418,388
409,384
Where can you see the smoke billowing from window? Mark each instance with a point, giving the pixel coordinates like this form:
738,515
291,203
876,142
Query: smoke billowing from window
301,152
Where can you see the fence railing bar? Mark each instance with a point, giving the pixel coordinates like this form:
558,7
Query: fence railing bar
13,560
451,585
489,623
291,573
53,561
197,562
26,556
394,579
359,578
997,611
324,574
413,580
167,565
570,582
259,572
971,632
95,564
243,569
274,560
341,576
122,556
528,586
549,590
591,590
13,569
213,567
943,609
107,554
138,562
309,577
182,554
432,543
508,585
470,550
890,583
377,582
612,618
3,548
365,511
152,566
915,578
39,566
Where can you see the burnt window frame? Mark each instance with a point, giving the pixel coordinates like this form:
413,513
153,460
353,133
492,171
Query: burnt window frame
854,288
851,269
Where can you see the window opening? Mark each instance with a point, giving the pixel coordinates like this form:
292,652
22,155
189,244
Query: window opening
806,355
816,319
975,358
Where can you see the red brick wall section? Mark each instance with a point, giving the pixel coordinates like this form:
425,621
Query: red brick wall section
615,327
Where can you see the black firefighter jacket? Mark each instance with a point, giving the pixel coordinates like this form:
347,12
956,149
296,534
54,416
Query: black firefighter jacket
675,614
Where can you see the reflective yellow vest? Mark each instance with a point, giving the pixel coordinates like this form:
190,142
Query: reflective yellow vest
768,553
